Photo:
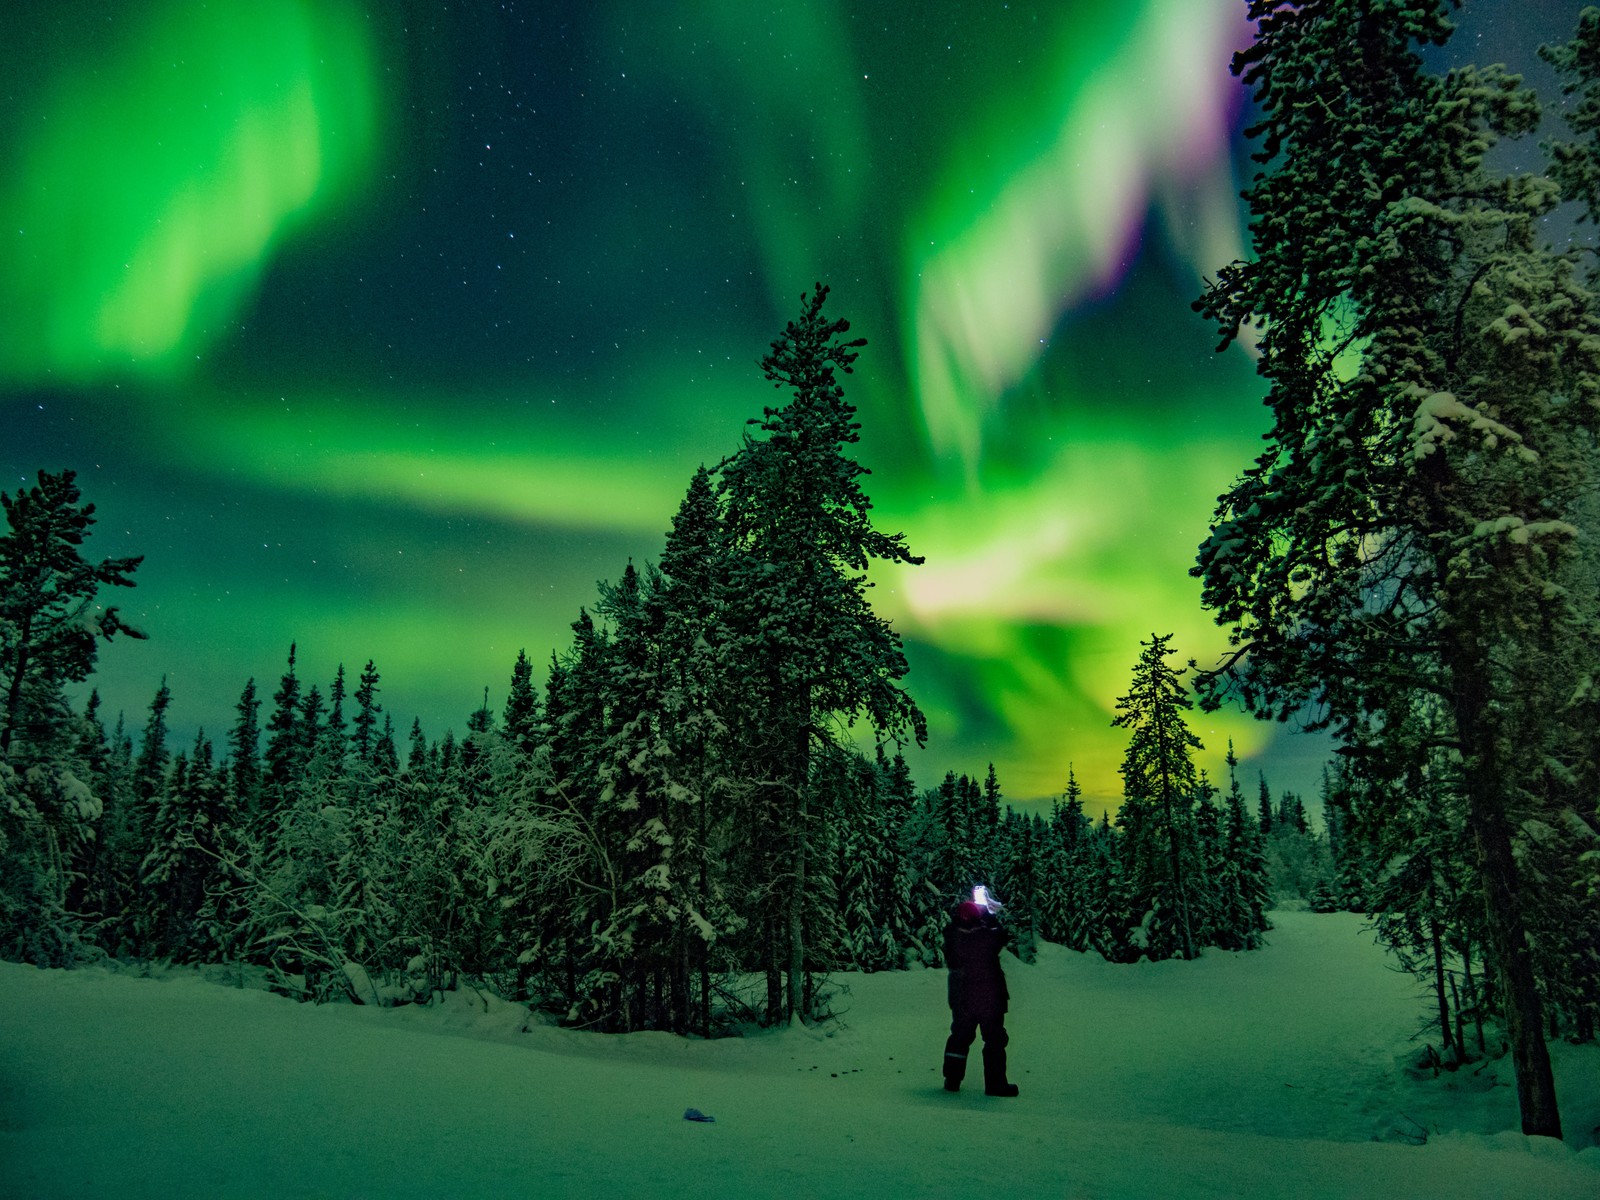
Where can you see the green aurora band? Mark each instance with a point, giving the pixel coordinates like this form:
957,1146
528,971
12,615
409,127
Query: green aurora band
149,181
389,331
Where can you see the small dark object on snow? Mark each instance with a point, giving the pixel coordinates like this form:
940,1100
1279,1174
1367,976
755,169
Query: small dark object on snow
694,1114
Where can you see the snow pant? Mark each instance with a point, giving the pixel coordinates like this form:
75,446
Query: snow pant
963,1031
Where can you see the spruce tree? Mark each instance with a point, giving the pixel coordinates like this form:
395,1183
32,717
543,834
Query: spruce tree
335,736
1207,902
47,606
897,911
1242,887
111,887
812,650
385,755
417,752
987,827
521,716
315,768
956,866
150,768
88,859
635,814
1054,877
568,908
1566,922
1119,921
1575,165
923,845
1350,870
1159,783
191,814
1077,892
365,736
244,753
284,755
697,710
476,752
1402,531
1017,878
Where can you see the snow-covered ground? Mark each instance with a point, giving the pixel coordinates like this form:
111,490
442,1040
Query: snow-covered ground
1265,1074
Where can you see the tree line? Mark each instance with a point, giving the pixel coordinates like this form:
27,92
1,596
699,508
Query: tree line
606,847
680,825
343,861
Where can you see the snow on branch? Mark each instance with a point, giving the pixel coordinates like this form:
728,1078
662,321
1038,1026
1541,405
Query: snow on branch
1520,532
1438,411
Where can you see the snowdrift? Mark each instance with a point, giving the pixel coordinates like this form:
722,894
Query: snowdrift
1276,1073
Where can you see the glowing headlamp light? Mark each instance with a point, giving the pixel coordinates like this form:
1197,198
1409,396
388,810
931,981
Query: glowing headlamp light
982,898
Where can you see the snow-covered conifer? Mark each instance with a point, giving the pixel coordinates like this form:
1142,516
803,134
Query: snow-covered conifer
285,746
812,651
1402,535
1159,784
364,734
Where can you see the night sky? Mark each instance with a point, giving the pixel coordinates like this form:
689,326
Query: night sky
390,329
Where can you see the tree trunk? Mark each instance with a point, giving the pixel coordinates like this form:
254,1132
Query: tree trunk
1179,894
1497,870
1180,897
705,989
702,948
1461,1024
1508,940
1440,984
1473,999
14,692
797,901
774,974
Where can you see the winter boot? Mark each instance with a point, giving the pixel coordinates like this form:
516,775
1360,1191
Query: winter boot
994,1067
955,1069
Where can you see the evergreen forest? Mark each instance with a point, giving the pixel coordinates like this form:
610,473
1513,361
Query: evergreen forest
704,809
680,829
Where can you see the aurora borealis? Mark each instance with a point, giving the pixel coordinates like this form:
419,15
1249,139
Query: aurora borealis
390,328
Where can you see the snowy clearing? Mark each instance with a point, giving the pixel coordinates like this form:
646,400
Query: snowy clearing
1264,1074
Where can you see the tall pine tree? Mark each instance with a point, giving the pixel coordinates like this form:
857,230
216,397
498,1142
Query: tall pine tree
1404,532
1158,786
814,653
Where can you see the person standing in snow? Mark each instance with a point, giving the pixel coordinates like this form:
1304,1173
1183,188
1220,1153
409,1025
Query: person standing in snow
978,996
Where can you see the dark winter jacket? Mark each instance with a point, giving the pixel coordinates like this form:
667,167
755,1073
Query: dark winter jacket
972,952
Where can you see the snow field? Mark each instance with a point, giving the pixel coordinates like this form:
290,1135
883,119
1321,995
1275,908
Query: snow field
1261,1075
